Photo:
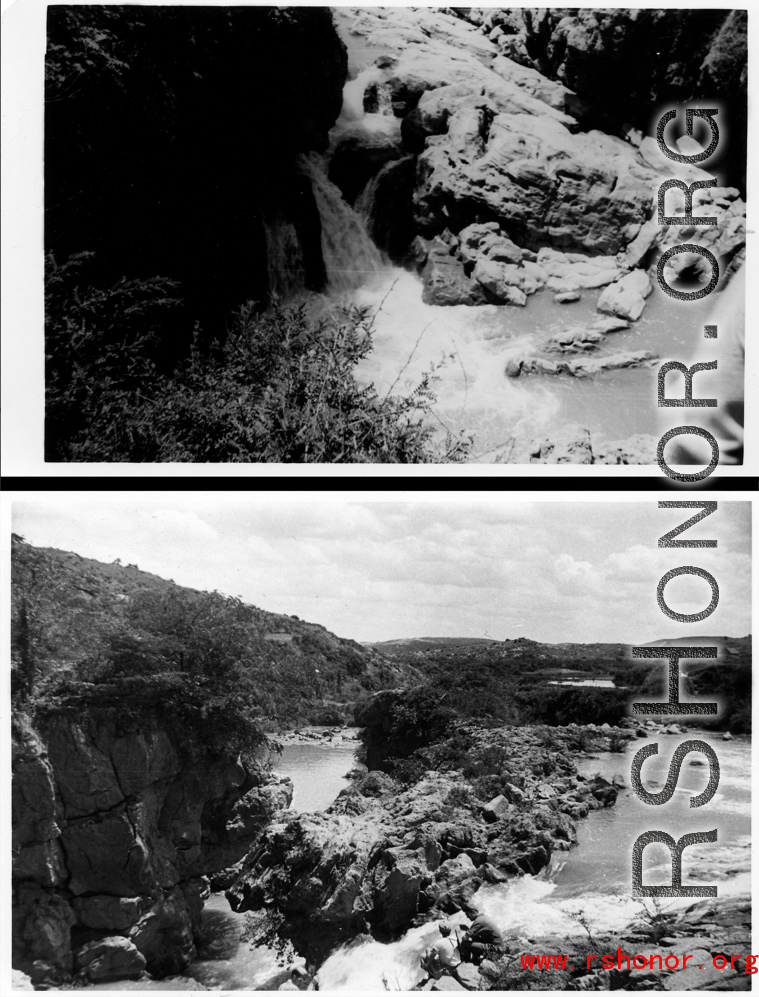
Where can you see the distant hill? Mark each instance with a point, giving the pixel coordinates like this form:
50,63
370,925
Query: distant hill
514,681
731,644
427,643
517,656
76,608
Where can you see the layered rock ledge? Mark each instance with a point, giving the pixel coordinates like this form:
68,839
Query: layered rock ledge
114,838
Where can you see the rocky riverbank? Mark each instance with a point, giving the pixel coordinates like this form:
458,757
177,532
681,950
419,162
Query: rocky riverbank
503,159
317,735
114,838
703,931
518,184
385,857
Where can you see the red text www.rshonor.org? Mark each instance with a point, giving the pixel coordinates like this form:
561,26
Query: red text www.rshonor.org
745,963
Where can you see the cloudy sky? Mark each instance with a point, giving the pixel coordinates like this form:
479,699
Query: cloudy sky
378,570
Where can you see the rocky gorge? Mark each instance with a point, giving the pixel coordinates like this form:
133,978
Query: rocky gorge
378,869
495,162
383,857
480,182
115,837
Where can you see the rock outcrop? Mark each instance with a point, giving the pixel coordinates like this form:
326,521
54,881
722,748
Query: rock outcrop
521,150
114,836
383,856
622,63
704,930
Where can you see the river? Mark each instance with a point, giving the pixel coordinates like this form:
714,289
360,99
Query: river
590,882
471,346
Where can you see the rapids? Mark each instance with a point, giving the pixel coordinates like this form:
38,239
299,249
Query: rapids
469,347
589,883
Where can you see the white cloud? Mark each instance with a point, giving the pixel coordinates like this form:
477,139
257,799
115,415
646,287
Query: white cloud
180,524
549,571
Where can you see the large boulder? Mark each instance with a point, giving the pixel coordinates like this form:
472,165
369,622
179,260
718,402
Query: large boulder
544,184
505,281
606,57
573,271
487,240
110,958
626,298
446,283
498,807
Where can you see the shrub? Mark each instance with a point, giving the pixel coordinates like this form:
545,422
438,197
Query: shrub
459,796
282,388
101,351
407,770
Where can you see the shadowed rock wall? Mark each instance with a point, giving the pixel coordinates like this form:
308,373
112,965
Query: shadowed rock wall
171,138
113,836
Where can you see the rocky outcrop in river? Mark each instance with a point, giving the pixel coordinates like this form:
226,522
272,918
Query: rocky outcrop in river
114,836
519,153
623,63
384,857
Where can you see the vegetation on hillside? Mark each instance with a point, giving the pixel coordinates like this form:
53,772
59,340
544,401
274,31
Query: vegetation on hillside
515,682
726,680
88,635
514,656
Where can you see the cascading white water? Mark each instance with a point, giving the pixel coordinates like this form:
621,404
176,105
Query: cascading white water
350,257
353,100
369,965
589,885
409,335
473,393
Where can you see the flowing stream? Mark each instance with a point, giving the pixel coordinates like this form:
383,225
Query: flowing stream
469,347
591,882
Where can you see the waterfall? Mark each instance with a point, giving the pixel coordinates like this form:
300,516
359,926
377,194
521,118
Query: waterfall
350,257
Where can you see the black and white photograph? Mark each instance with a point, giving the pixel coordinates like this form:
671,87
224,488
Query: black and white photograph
348,743
393,235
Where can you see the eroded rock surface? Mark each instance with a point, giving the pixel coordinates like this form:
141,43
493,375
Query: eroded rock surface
384,856
519,151
114,837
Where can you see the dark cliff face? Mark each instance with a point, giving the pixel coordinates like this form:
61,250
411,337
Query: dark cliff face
171,138
113,836
629,63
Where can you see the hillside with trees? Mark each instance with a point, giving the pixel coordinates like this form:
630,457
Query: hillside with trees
521,681
85,632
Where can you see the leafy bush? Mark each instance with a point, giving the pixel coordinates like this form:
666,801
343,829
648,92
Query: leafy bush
177,658
101,349
407,770
192,711
282,388
561,705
